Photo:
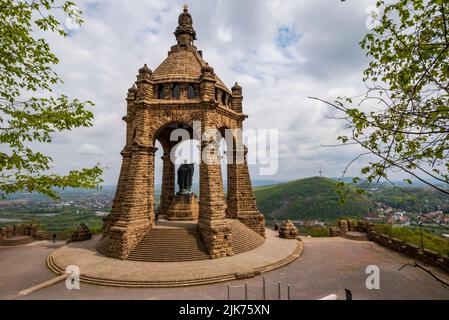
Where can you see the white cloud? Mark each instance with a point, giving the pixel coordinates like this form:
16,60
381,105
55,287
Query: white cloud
317,54
224,35
89,150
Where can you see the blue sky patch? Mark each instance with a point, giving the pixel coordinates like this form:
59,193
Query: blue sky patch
286,36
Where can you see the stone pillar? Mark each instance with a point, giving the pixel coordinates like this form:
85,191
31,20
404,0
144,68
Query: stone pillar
214,229
207,84
168,91
131,108
141,91
144,84
119,195
168,183
219,96
237,98
241,200
184,91
197,90
137,210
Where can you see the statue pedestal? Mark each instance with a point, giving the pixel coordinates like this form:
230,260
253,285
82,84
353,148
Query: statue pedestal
183,208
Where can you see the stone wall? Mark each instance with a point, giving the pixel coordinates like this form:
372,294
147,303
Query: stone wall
22,230
427,256
348,225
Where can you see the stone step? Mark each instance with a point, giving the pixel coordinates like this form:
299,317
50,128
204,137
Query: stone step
170,245
103,247
144,257
356,236
243,238
164,244
16,241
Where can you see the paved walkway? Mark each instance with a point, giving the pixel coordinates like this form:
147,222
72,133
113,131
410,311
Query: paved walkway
327,266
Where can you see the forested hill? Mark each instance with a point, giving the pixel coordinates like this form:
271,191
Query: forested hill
311,198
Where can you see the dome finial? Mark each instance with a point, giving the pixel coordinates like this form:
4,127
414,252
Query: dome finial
145,70
237,89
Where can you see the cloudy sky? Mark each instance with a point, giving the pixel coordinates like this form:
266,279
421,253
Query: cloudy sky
280,52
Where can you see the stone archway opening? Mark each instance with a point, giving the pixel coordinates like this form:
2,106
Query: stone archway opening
178,148
227,146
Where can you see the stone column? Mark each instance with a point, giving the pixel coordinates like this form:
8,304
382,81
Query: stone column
119,195
137,209
214,229
207,84
237,98
241,200
168,183
183,91
145,86
219,96
126,154
168,91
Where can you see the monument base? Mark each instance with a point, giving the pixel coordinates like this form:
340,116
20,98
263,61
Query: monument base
184,208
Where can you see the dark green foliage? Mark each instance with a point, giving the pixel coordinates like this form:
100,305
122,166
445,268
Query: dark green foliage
312,198
63,223
315,232
412,199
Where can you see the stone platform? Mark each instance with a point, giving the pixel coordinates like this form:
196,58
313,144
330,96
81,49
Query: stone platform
356,236
16,241
184,208
101,270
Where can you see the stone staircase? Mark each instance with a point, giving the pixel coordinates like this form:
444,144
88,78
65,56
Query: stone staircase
170,245
178,241
243,238
103,246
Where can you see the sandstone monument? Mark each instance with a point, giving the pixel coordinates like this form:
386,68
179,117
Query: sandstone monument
181,93
82,233
288,230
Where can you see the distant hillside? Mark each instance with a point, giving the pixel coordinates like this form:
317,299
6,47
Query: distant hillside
312,198
412,199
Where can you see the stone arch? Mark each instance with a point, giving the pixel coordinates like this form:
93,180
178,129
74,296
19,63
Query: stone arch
161,130
191,92
163,119
223,98
160,92
176,94
163,133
